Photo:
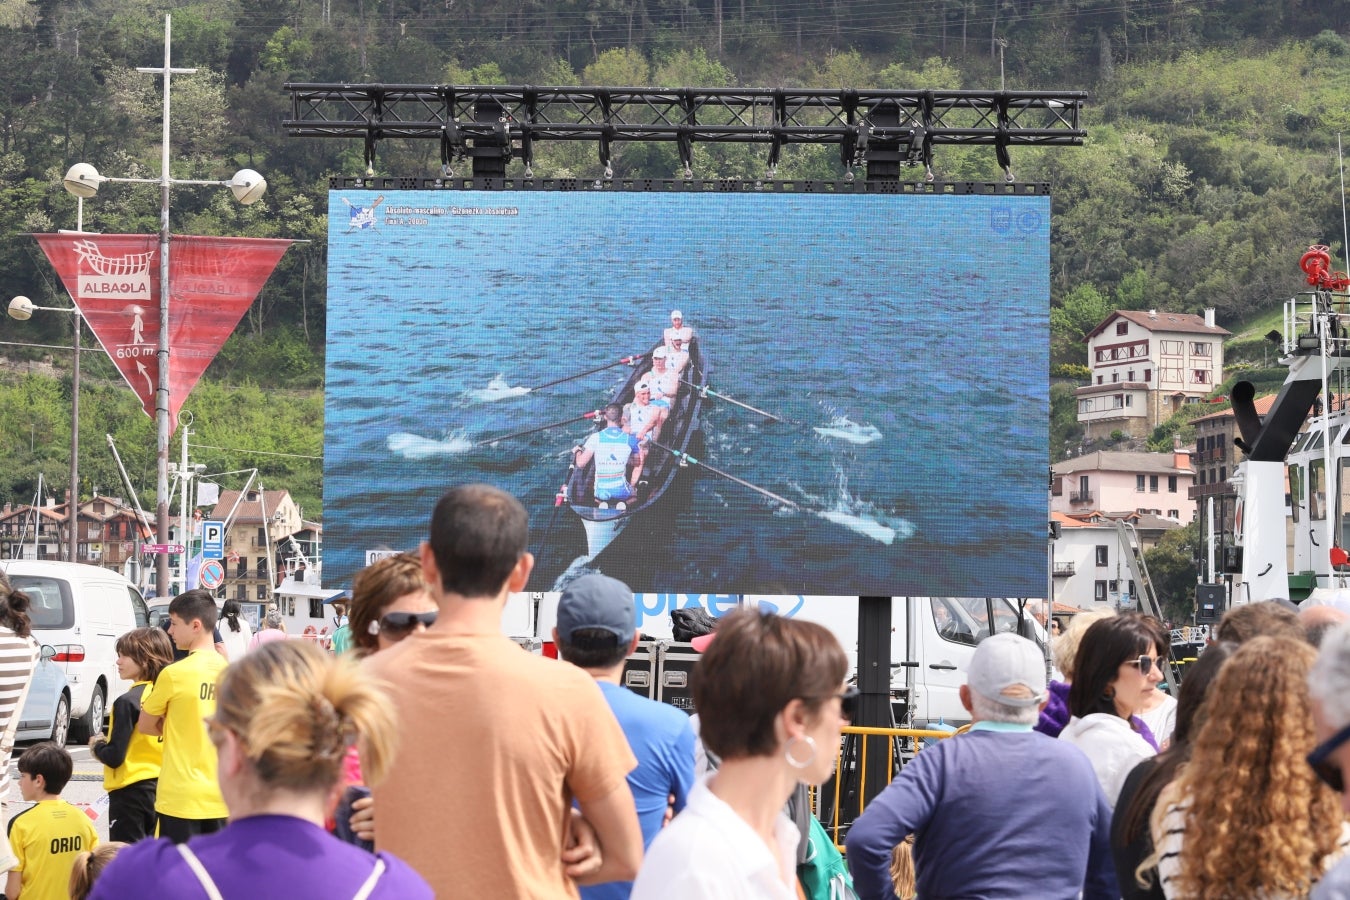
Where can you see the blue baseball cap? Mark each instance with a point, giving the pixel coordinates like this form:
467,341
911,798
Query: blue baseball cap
597,601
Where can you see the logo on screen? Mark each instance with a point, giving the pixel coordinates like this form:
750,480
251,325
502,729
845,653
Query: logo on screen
1000,220
361,217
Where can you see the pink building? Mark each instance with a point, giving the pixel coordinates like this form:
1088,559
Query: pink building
1117,482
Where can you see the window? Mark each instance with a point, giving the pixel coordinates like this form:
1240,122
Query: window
262,592
1099,592
262,538
1200,376
1129,376
1171,374
1084,406
241,570
1171,484
1122,327
315,608
241,592
1099,379
1200,477
1199,349
1112,586
1115,377
1102,551
1148,375
1171,514
1139,483
1129,399
952,624
1223,473
1170,348
1153,484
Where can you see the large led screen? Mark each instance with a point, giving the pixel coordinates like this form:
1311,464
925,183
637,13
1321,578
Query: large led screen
862,408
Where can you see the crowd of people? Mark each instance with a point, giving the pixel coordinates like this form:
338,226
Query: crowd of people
432,756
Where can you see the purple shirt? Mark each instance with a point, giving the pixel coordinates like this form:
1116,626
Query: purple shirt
261,858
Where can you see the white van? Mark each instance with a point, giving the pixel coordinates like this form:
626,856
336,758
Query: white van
80,611
932,638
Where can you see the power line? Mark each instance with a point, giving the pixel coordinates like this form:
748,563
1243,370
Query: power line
253,452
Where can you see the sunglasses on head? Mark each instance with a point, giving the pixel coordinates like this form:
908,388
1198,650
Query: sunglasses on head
1322,764
1145,664
401,622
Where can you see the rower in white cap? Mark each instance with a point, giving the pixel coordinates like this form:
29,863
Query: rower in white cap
678,329
664,381
677,356
642,418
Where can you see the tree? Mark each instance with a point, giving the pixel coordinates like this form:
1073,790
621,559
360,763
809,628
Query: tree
1171,568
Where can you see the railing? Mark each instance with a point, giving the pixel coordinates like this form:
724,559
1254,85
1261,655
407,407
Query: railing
836,799
1080,496
1064,569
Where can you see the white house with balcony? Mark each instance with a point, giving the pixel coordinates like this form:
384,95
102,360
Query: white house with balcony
1123,482
1145,366
1090,568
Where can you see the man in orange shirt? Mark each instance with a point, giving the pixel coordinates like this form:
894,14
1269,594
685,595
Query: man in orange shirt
501,741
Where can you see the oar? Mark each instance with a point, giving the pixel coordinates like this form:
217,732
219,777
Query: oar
685,457
875,530
709,392
515,434
626,361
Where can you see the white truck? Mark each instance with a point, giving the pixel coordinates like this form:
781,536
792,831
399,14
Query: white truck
932,638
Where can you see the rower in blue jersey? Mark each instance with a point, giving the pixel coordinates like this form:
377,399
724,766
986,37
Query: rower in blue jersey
613,449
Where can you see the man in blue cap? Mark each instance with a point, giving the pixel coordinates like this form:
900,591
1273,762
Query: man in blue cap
596,632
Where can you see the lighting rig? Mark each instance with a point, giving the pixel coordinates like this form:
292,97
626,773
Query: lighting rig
880,131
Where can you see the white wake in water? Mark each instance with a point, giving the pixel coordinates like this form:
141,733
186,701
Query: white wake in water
497,389
846,430
414,446
861,517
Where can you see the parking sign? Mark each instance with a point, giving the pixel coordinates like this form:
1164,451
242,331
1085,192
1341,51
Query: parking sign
213,540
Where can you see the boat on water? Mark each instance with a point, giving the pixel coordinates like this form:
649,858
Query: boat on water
604,523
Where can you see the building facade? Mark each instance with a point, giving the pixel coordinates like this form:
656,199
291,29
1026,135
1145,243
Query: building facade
1090,568
1145,366
254,540
1123,482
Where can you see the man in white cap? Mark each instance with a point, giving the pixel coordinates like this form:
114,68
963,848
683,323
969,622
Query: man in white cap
596,632
642,418
677,355
678,329
664,381
1000,812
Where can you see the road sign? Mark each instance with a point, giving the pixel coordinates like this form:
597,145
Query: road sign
161,548
211,575
213,539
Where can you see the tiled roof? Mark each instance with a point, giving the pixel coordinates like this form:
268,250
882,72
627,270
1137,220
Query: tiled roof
1120,461
1161,321
250,511
1262,404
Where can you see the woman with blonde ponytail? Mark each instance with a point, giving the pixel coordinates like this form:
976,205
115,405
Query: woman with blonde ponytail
285,715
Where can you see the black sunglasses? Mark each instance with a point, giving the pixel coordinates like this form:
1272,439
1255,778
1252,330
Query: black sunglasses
1320,760
1145,664
402,622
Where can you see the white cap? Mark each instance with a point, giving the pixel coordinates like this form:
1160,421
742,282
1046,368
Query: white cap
659,353
1007,661
676,314
642,386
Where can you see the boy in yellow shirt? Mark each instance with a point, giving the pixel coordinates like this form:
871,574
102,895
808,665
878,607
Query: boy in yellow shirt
188,801
48,835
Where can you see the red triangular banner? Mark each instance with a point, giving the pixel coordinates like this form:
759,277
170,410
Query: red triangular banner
114,280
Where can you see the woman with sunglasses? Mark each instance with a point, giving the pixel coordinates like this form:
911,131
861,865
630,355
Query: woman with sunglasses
1116,670
285,715
771,700
389,602
1263,824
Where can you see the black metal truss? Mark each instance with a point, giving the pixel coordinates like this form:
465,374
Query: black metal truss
674,185
879,129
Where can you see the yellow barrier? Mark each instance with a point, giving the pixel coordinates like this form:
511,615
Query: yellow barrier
913,735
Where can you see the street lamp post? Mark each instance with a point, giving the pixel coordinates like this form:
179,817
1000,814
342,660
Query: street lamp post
83,181
22,308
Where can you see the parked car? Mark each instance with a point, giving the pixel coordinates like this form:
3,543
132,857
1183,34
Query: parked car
80,611
46,713
157,610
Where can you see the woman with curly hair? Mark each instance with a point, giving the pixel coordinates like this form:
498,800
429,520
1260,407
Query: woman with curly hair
1265,826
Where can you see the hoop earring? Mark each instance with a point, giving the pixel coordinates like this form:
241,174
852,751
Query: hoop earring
791,760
